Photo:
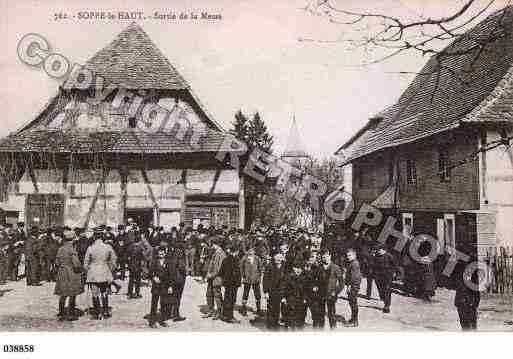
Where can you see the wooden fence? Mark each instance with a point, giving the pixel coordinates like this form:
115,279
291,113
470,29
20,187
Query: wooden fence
500,270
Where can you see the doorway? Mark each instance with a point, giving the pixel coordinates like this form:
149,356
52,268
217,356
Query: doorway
142,216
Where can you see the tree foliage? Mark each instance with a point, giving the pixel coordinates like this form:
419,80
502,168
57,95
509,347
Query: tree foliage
254,133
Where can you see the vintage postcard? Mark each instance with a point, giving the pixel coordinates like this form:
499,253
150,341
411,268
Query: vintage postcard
256,166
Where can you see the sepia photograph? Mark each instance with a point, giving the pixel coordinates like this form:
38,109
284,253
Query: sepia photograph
287,166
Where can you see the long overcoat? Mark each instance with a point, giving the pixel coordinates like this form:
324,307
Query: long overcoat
99,262
69,278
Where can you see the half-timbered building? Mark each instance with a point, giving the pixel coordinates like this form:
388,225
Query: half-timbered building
82,162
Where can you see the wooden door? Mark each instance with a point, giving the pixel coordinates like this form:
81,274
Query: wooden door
44,210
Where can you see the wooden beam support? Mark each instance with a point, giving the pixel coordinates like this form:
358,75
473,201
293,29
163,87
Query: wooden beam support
183,182
150,190
214,182
124,195
65,176
33,178
101,184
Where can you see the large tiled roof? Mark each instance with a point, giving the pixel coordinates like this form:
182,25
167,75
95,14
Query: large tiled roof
131,60
467,85
127,141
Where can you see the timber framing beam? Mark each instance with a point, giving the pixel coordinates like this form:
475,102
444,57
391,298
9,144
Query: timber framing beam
99,188
124,179
33,178
214,182
148,187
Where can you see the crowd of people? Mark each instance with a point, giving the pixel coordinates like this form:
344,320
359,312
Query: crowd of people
289,271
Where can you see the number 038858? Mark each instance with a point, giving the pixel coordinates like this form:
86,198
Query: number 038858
9,348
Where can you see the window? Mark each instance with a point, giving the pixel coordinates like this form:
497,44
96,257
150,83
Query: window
449,231
407,223
132,122
411,171
443,165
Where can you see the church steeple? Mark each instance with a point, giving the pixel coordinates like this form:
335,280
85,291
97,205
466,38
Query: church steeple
295,152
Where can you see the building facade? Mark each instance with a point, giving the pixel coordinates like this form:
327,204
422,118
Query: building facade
440,159
146,150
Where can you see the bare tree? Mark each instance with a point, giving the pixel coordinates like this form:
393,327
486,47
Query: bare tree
425,35
384,36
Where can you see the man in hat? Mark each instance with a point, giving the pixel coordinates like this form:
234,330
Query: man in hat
214,282
176,262
51,244
468,294
120,247
32,257
135,259
68,283
231,279
190,250
17,239
161,288
251,270
312,294
331,282
353,281
99,263
384,268
294,296
273,290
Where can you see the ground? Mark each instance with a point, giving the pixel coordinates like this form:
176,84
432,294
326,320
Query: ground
25,308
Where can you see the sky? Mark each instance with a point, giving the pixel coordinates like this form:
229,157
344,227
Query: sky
251,59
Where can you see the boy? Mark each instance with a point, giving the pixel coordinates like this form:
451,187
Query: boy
294,296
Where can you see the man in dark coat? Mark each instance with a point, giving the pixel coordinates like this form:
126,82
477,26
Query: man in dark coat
384,269
467,296
367,247
353,281
68,282
135,258
178,270
51,244
231,278
272,287
294,296
312,294
331,282
32,249
160,274
121,249
17,239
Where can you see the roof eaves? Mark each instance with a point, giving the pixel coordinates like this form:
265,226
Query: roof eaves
449,127
370,123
